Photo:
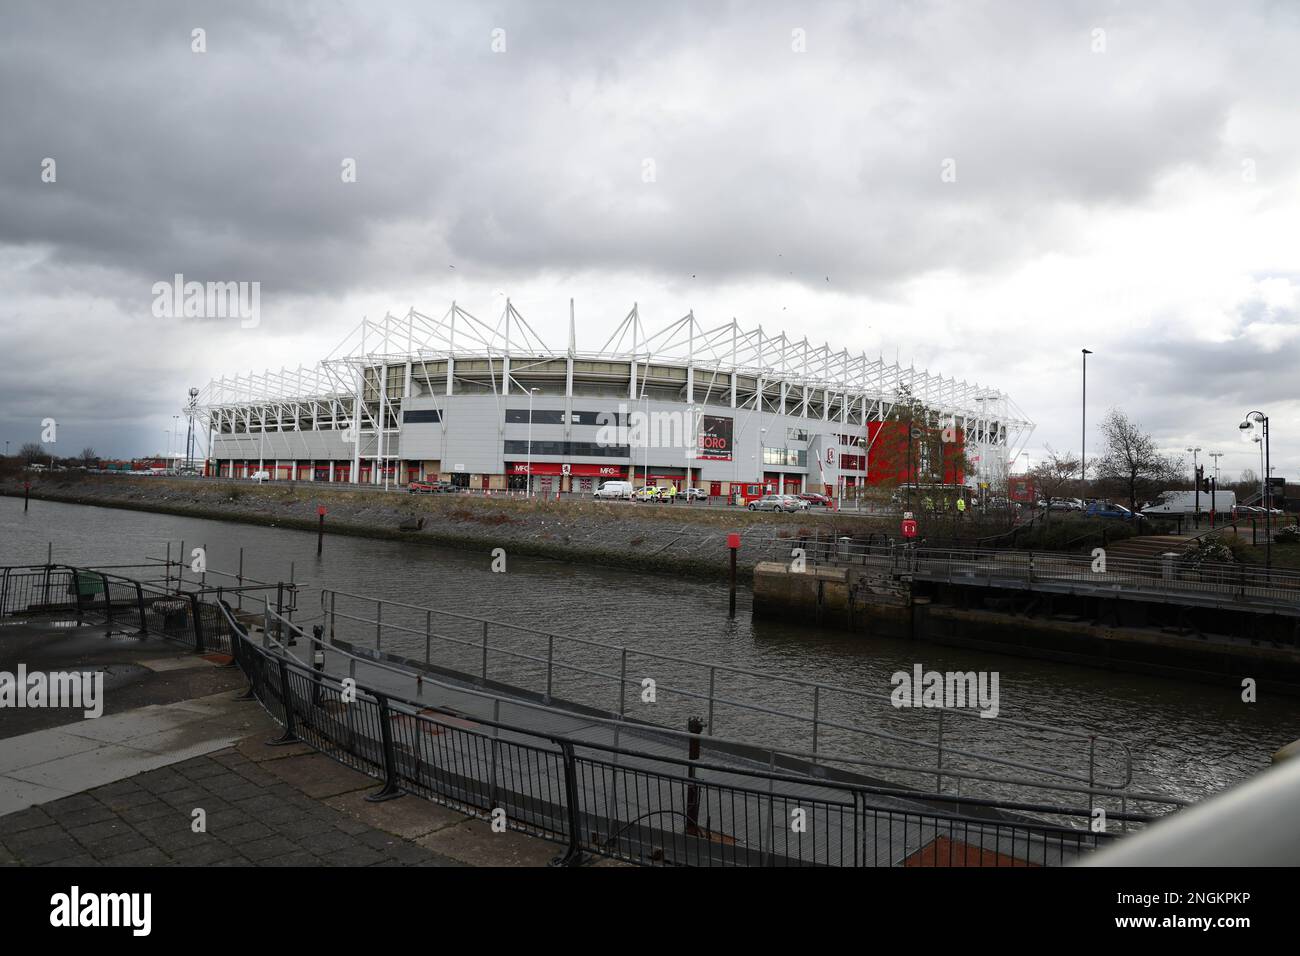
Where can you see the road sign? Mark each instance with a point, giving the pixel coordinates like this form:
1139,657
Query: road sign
909,528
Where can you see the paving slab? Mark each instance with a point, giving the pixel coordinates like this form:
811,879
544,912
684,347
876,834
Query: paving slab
476,843
48,764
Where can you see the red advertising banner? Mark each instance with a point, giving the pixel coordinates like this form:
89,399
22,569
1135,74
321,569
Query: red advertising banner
555,468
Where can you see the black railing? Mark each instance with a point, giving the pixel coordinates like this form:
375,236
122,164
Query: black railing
1215,583
637,806
183,612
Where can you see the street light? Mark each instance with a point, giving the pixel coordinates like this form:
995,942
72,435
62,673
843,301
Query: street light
1246,425
645,434
529,465
1083,431
1196,487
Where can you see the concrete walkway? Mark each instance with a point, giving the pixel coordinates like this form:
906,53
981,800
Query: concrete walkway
123,789
262,806
49,764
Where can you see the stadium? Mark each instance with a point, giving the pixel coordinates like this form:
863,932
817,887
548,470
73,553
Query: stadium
487,406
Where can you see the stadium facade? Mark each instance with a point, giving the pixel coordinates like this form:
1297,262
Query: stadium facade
485,406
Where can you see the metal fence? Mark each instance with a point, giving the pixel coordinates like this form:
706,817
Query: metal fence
827,720
1214,584
178,611
645,808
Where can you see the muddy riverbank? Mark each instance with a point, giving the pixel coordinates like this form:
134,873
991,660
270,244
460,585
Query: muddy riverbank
678,537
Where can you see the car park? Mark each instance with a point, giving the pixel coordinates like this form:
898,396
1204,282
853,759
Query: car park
1062,504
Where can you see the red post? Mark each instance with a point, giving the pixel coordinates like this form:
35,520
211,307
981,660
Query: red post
733,545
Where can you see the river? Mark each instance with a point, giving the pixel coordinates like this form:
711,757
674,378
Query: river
1188,739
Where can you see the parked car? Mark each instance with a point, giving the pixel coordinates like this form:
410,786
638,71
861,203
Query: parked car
651,493
815,499
614,489
1062,504
431,488
1107,509
778,503
260,476
693,494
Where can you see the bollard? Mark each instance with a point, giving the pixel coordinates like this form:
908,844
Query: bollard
317,661
27,491
733,545
320,529
693,726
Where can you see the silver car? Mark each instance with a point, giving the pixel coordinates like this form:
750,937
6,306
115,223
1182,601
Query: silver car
778,503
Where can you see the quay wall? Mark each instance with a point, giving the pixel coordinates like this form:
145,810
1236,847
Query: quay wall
877,605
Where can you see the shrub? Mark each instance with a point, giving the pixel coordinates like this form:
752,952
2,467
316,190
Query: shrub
1288,535
1210,548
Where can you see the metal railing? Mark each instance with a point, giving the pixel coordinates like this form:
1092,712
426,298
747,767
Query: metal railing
1231,585
179,611
758,705
647,808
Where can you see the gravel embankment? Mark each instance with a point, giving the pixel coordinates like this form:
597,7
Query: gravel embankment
676,537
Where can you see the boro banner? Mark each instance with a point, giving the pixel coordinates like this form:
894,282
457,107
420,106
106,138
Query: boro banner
714,441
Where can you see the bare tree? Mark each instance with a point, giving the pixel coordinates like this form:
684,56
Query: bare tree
31,451
88,457
1056,474
1248,486
1131,463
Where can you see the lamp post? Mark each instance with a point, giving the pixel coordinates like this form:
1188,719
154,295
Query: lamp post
1083,430
1267,495
529,465
758,460
1196,487
645,438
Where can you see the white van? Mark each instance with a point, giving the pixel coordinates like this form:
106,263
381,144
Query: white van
1184,503
614,489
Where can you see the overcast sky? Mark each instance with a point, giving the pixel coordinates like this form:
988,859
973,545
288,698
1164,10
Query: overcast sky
1127,179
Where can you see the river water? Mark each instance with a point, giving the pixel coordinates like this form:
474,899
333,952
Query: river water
1187,739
